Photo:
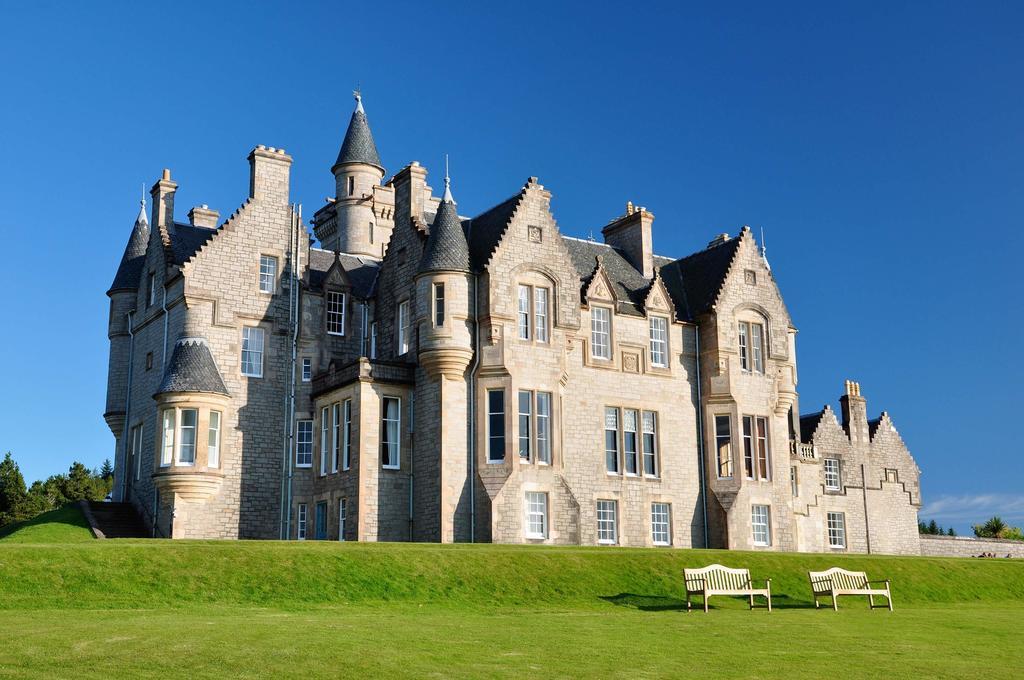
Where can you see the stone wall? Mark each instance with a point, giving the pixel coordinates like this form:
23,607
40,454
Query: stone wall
968,546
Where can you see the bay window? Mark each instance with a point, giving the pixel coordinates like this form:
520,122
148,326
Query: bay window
495,426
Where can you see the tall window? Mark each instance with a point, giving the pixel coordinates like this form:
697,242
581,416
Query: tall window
346,445
536,514
438,304
300,522
524,312
307,369
659,341
351,185
136,451
335,313
342,516
335,435
661,533
629,440
373,340
832,479
187,432
525,418
213,440
325,429
723,446
611,440
607,521
252,351
751,346
650,444
151,289
540,313
403,327
167,438
495,425
794,482
304,445
391,432
761,447
544,427
836,530
760,520
268,273
600,333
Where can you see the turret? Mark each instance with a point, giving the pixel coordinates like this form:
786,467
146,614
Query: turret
356,226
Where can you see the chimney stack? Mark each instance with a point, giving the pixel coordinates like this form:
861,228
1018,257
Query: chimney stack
203,216
855,413
163,201
631,233
268,174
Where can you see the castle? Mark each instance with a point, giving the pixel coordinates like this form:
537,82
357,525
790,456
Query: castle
428,376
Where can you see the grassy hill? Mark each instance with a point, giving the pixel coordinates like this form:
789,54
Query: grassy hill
255,609
63,525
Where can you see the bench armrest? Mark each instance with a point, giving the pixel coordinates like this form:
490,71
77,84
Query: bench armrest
885,581
765,581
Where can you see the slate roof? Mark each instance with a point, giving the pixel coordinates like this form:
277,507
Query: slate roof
695,281
186,241
873,426
361,271
192,369
358,146
628,285
808,424
485,230
129,272
446,248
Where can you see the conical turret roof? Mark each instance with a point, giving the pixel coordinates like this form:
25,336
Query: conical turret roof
447,249
129,272
358,146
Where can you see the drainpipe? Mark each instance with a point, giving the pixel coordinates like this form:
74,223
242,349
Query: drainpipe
163,364
295,258
362,329
472,408
127,410
864,490
700,435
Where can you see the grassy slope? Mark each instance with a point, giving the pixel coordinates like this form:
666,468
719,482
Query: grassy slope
207,609
63,525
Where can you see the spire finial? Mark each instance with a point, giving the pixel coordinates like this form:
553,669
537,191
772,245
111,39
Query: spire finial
143,201
447,183
358,94
764,251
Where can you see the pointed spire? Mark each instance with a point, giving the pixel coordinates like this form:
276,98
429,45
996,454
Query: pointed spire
358,146
764,251
129,272
446,249
142,219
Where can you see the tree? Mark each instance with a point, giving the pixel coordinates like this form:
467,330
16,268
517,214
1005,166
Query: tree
993,528
107,471
951,532
12,491
933,528
1013,533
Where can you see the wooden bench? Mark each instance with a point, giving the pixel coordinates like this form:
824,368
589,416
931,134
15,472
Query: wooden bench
835,582
718,580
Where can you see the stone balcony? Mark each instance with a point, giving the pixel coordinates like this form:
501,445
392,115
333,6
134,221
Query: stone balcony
802,451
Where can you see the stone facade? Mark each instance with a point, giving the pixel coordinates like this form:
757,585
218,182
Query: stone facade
431,377
968,546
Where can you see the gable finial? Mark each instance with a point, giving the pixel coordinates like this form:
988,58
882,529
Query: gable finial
358,94
447,198
764,251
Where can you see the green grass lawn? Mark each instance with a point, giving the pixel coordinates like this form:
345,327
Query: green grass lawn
257,609
63,525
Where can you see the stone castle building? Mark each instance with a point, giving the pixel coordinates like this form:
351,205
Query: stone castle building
429,376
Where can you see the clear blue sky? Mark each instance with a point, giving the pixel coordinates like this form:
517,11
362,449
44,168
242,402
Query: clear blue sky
879,146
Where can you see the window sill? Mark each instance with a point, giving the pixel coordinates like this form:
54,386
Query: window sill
341,334
252,375
391,467
496,462
298,465
607,542
662,544
536,538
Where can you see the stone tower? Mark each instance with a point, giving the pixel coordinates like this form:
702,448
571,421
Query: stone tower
361,220
445,350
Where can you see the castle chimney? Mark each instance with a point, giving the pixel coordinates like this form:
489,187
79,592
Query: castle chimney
268,174
855,413
718,240
631,233
203,216
410,192
163,201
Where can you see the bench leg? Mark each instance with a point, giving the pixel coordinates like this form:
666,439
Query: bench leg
817,605
871,602
705,603
888,597
689,607
835,602
751,600
769,598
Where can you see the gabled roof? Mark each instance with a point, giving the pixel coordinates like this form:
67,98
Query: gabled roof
361,271
808,424
358,146
446,248
484,231
192,369
694,282
186,240
129,272
628,285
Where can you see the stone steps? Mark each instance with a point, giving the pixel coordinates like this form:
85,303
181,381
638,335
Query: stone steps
115,520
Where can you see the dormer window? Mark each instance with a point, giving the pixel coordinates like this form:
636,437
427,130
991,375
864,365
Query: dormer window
659,341
751,346
335,313
600,333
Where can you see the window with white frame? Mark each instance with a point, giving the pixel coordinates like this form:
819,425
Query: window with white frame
836,529
723,446
661,522
755,448
659,341
540,314
650,441
607,522
751,346
833,482
137,451
187,436
629,440
544,428
611,440
335,435
325,429
373,340
336,312
304,445
525,421
346,436
760,520
523,314
213,440
391,432
495,426
438,305
532,313
307,369
151,289
300,522
167,438
600,333
342,517
536,514
794,483
252,351
403,327
268,273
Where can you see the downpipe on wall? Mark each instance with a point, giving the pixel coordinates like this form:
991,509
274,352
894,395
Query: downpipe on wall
700,435
127,411
472,408
289,436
